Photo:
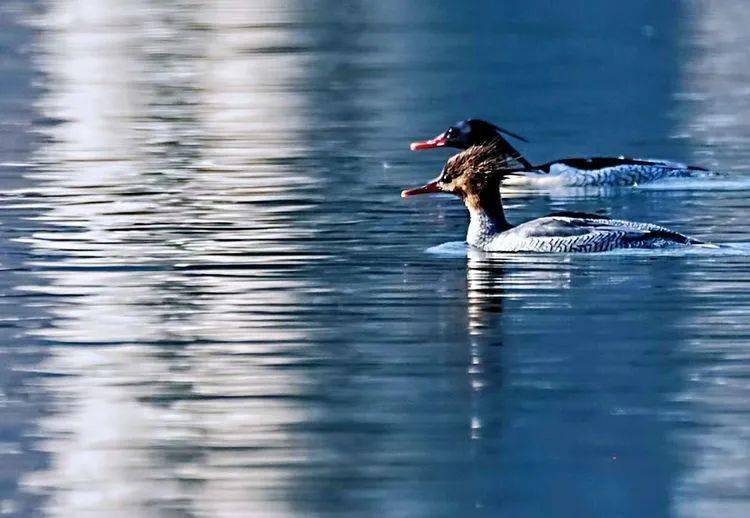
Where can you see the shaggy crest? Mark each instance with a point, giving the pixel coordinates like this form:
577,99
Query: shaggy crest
480,160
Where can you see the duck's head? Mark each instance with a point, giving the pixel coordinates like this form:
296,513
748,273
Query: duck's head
474,175
467,133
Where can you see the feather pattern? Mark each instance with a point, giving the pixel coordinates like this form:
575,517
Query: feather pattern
564,172
476,175
609,172
577,233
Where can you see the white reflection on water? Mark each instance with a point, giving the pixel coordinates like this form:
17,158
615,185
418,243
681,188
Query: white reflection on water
236,331
715,86
157,161
715,81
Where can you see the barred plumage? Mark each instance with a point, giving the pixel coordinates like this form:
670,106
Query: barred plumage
592,233
564,175
564,172
475,175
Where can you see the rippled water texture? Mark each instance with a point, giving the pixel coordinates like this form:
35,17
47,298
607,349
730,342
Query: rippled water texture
214,302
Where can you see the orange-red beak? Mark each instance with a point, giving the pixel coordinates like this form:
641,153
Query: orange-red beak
438,141
428,188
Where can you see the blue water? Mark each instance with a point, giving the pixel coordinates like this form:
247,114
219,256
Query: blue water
215,303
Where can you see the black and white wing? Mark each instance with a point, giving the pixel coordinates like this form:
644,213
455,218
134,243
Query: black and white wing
580,232
614,171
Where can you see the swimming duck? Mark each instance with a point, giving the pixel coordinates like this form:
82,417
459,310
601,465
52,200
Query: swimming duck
571,172
475,175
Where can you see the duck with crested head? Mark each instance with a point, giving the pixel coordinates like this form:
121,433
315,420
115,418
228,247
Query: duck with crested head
475,176
563,172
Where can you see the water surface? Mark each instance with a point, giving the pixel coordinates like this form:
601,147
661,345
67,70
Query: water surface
216,304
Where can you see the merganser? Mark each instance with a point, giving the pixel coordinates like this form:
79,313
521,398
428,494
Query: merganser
571,172
475,176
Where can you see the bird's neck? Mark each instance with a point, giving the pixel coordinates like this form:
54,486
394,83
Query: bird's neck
487,218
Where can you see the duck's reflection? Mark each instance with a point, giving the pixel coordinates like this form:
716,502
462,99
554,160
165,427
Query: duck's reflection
492,281
484,294
560,369
484,289
494,278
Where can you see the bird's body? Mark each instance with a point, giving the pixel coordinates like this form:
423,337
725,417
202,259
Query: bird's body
571,232
603,171
476,174
564,172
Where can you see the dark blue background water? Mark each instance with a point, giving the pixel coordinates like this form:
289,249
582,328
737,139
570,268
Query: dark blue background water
214,302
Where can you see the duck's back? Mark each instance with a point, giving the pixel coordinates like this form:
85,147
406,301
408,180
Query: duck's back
580,232
606,171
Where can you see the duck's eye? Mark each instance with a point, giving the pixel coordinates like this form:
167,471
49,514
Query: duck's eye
450,133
